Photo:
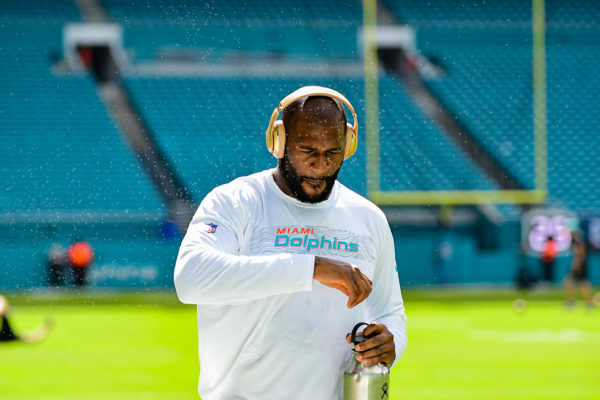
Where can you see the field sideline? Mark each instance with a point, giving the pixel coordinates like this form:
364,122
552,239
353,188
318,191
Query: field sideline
463,344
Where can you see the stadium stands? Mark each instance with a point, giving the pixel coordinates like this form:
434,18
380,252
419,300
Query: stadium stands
66,170
232,12
415,154
38,12
492,15
212,43
579,15
496,110
217,124
574,126
225,30
461,14
62,150
485,49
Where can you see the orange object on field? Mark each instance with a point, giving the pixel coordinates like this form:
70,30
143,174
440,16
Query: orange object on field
80,254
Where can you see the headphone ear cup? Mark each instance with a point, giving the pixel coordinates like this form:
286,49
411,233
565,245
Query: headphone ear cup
351,141
278,133
270,139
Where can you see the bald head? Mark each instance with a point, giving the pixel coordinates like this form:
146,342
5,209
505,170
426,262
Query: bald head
315,111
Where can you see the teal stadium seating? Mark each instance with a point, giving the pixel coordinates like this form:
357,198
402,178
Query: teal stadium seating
217,31
489,87
486,51
212,129
494,14
461,14
578,16
310,31
65,170
215,43
574,125
573,121
39,12
235,12
61,150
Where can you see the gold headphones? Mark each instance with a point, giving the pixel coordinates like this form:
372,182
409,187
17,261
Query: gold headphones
276,132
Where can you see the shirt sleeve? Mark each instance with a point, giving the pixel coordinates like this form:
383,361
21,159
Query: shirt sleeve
210,270
385,304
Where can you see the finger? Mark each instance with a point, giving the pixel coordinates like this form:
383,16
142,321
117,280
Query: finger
366,279
374,352
362,283
375,341
353,291
363,289
374,329
371,343
386,358
366,284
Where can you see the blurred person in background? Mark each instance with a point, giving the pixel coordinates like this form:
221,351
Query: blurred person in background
524,279
577,275
547,258
7,334
57,263
80,255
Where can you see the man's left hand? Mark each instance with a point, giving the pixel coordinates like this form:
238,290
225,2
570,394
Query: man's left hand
378,348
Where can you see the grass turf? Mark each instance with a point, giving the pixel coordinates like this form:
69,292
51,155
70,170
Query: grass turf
462,345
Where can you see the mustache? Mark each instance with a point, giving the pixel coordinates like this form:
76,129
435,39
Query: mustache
314,178
317,181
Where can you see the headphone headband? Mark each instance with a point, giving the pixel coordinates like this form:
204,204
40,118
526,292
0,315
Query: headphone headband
276,142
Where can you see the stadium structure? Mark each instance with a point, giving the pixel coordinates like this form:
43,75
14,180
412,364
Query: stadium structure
119,116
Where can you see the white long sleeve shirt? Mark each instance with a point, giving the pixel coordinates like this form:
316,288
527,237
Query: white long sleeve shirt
266,329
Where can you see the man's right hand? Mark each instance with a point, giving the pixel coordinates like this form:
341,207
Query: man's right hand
345,277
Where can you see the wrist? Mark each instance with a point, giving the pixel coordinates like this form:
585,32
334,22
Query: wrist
317,267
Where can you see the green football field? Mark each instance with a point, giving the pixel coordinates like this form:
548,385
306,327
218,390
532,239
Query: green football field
462,345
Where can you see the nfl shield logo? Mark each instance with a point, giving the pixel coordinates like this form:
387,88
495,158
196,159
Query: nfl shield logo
212,228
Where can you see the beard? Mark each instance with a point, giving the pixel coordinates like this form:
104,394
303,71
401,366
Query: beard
294,182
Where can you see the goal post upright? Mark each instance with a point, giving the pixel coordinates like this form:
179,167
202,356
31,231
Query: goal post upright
540,126
371,96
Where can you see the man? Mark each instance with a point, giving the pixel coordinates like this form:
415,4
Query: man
57,262
578,273
283,263
547,258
